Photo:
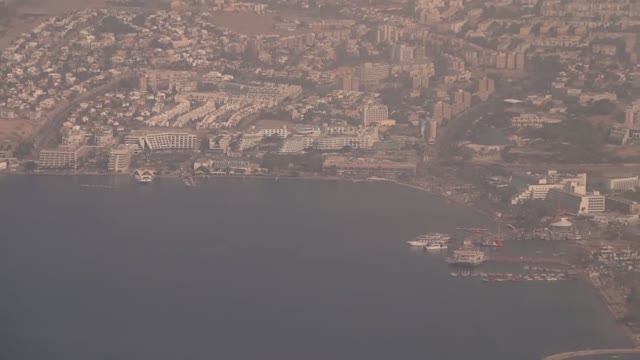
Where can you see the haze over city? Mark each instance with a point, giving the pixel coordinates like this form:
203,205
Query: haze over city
305,179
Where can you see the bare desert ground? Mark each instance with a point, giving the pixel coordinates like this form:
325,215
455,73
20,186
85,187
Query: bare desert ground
18,23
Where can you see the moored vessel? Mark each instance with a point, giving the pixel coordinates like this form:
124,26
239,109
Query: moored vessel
465,257
436,245
431,241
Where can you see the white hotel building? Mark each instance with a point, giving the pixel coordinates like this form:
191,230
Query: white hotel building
537,187
163,141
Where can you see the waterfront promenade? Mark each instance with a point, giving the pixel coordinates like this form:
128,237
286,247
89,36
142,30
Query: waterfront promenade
598,352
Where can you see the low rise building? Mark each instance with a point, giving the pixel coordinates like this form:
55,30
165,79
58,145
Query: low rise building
61,158
622,184
120,159
343,165
227,166
537,187
533,121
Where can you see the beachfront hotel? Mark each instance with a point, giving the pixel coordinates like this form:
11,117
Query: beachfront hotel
162,141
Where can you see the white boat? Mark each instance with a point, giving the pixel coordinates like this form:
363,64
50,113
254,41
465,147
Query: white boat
434,237
379,179
418,242
436,245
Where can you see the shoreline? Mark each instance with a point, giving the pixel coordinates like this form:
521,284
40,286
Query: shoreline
406,185
633,340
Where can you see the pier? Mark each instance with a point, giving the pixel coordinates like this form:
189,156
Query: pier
528,260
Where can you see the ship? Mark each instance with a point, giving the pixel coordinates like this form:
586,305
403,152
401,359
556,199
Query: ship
425,240
418,242
434,236
436,245
144,176
379,179
465,257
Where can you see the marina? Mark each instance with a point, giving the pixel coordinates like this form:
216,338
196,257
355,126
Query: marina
545,276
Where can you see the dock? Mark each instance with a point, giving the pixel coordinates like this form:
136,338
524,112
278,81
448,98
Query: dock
528,260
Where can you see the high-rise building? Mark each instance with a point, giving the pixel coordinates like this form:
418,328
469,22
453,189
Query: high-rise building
462,101
419,81
402,54
511,61
486,85
374,113
387,33
501,61
442,111
350,83
433,131
371,74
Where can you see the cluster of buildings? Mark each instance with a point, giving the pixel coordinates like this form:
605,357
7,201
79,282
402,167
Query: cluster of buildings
605,202
373,83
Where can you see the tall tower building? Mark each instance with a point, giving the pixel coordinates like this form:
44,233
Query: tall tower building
433,131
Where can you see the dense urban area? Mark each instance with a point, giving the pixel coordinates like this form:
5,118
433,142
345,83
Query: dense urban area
528,110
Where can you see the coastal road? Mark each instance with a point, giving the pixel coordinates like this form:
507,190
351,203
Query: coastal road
583,353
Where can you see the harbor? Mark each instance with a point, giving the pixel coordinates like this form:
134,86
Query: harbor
256,235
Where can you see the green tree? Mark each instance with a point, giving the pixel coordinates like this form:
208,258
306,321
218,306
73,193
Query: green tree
30,166
23,149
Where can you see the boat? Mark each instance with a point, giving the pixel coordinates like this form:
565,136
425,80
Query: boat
418,242
434,236
144,176
379,179
464,257
436,245
433,240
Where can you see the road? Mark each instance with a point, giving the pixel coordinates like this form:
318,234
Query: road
609,168
583,353
455,129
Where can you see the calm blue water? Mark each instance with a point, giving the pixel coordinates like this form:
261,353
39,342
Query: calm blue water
250,269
